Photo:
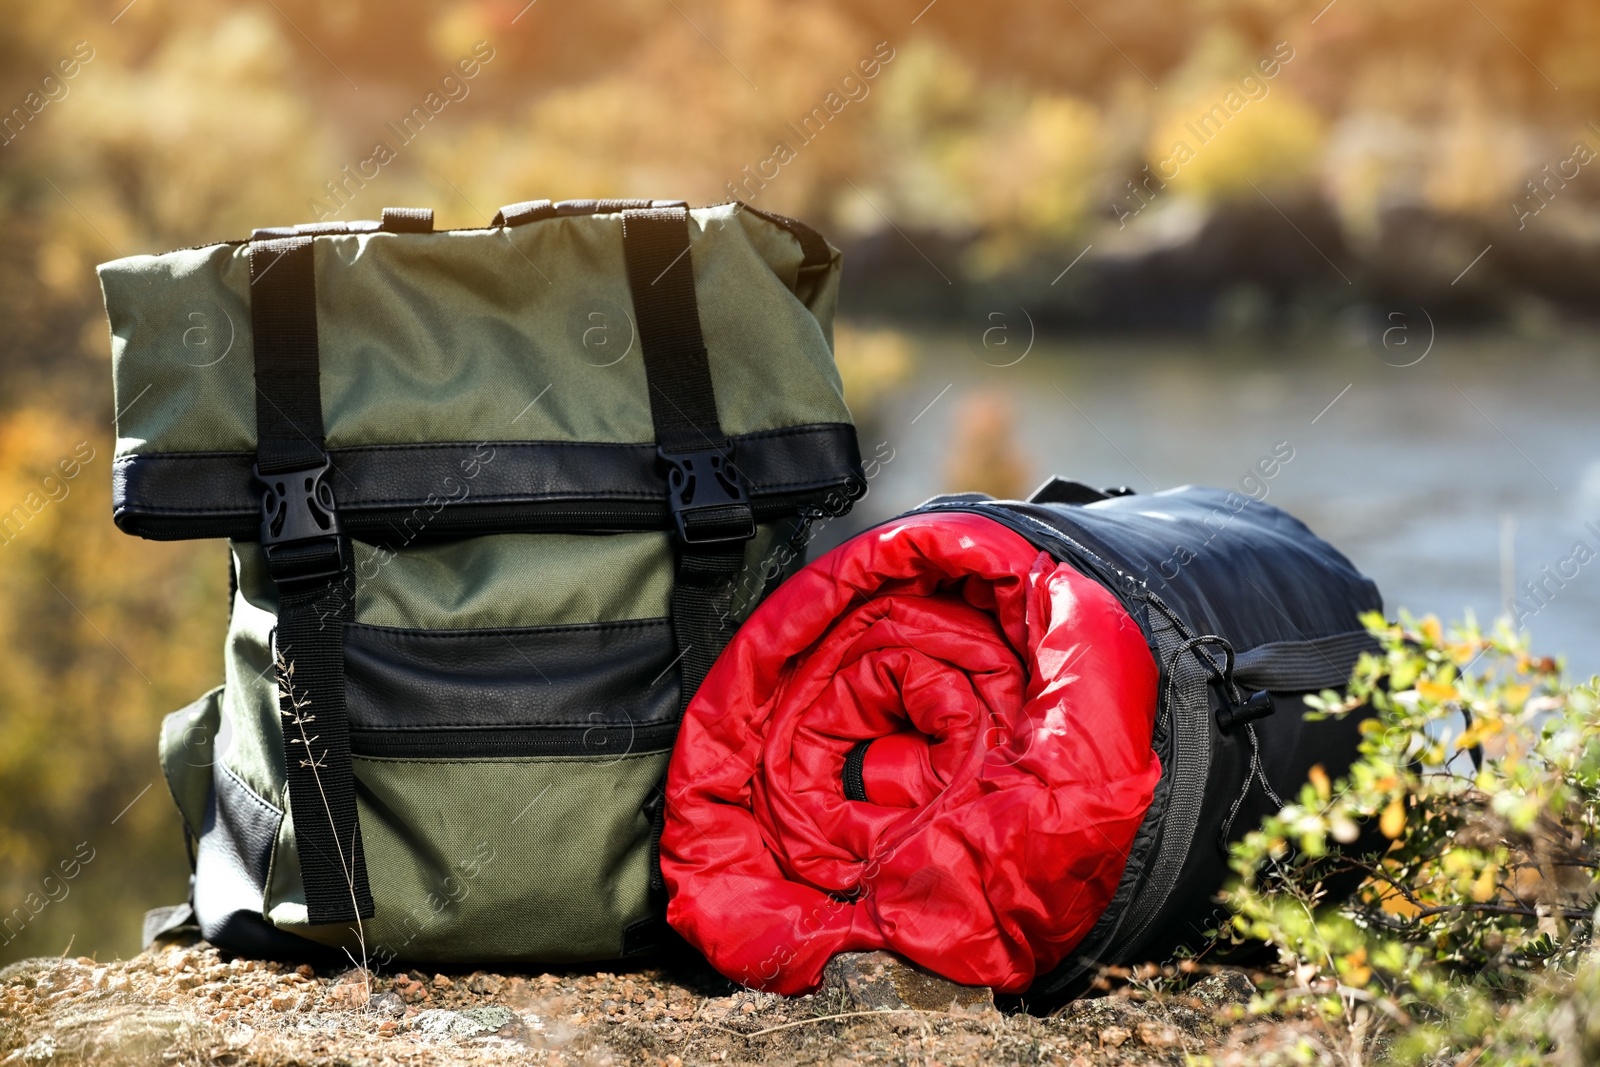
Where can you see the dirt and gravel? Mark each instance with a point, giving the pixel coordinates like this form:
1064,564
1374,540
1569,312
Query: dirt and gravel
189,1004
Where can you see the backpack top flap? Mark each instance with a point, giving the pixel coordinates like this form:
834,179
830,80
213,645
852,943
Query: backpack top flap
514,353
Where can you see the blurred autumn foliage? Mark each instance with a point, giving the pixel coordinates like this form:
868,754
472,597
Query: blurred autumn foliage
986,456
941,144
99,636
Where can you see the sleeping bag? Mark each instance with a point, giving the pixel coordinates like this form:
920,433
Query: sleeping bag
1008,740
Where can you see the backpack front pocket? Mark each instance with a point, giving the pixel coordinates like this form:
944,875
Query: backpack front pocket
502,778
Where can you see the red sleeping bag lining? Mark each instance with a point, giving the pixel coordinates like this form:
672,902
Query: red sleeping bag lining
1012,701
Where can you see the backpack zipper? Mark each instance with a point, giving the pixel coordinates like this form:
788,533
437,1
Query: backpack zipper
613,740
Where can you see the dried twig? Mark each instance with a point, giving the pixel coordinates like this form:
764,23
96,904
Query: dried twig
823,1019
297,717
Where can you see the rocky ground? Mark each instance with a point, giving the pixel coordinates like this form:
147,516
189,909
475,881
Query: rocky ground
188,1004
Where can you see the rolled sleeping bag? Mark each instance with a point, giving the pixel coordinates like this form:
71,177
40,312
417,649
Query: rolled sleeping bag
1008,740
935,740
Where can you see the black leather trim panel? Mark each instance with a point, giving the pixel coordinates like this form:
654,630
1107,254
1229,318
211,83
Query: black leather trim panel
231,868
599,689
485,487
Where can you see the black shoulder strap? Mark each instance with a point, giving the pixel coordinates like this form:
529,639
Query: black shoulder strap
309,559
708,496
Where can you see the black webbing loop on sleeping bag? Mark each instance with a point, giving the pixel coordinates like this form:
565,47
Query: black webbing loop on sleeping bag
708,496
308,557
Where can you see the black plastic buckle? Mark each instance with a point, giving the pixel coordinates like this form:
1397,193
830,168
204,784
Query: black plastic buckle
708,498
300,532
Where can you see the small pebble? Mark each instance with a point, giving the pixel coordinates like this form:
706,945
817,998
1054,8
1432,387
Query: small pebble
390,1003
485,984
1160,1035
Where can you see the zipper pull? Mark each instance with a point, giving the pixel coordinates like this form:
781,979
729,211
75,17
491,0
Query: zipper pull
655,811
799,541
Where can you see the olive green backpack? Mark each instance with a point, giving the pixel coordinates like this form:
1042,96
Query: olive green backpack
496,499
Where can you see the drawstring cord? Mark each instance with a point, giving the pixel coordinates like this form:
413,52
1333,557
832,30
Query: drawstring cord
1224,673
1256,774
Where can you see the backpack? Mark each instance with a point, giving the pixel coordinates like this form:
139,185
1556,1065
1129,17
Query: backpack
1246,612
495,498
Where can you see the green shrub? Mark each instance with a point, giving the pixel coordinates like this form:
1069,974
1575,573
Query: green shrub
1470,937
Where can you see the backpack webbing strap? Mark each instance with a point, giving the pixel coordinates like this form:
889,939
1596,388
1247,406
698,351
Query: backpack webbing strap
283,313
708,496
702,598
683,404
308,557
